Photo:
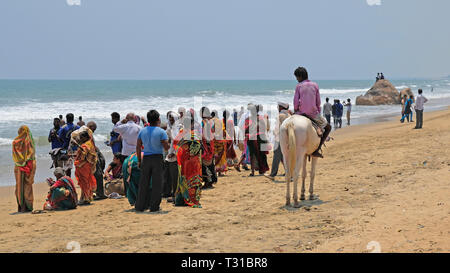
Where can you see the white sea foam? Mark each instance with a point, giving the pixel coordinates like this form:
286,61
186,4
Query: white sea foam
5,141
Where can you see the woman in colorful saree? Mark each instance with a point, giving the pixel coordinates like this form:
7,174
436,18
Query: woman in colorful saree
85,163
188,148
131,176
255,137
220,145
62,194
228,132
23,153
208,168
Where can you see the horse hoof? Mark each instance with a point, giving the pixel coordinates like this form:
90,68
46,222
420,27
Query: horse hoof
288,202
297,205
302,198
313,197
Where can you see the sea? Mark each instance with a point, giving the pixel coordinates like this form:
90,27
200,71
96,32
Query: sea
36,102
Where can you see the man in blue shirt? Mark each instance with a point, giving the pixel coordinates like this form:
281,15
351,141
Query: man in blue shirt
154,141
64,134
115,141
53,135
66,131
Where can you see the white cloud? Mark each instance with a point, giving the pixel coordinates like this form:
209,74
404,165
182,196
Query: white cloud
73,2
374,2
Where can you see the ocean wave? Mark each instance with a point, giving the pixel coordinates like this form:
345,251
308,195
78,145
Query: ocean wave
5,141
326,91
342,91
210,92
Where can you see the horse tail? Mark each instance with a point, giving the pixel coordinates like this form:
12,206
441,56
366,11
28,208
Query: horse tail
292,148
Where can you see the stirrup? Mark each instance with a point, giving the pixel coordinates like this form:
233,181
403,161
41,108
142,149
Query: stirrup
317,153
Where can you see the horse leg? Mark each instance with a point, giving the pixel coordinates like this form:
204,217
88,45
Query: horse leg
298,165
312,176
302,196
288,195
288,182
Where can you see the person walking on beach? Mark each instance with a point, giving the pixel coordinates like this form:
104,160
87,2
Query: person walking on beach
65,134
155,141
327,109
407,111
283,109
24,157
420,101
307,103
403,101
348,105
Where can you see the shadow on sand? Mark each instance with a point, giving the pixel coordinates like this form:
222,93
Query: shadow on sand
306,204
147,212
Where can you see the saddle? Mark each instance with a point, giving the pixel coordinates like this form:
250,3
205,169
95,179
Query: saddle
315,125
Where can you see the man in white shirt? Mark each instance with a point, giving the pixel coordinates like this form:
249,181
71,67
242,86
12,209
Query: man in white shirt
420,101
327,110
129,132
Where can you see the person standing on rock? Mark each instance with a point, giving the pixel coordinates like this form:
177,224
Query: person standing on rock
420,101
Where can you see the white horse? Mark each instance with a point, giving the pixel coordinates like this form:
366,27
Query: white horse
298,139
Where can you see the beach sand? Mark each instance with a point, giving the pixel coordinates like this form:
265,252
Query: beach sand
384,184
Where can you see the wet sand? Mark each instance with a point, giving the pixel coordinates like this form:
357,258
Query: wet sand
383,183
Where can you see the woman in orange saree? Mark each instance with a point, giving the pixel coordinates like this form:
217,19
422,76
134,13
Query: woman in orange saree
23,153
85,164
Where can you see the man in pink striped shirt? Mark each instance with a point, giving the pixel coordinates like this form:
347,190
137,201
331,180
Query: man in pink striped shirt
307,103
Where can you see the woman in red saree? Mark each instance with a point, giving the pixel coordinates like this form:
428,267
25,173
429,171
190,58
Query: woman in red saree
188,148
229,135
23,153
85,164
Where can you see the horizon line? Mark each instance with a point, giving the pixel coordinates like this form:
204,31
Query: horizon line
214,79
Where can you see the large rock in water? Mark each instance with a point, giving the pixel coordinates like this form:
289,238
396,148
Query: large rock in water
381,93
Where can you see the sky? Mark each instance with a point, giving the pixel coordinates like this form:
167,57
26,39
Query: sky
223,39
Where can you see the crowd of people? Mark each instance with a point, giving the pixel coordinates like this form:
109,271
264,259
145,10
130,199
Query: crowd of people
175,160
336,110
